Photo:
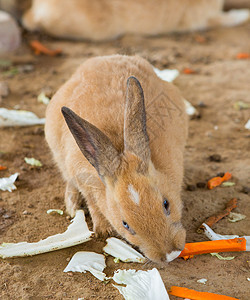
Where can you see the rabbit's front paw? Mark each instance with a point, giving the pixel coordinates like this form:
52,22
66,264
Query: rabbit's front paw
102,229
72,199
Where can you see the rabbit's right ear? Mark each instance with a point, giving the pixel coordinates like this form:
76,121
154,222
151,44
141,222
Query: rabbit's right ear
93,143
136,138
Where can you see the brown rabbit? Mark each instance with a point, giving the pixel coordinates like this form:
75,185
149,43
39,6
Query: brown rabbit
107,19
129,172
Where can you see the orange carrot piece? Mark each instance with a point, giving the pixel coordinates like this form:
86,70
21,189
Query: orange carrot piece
200,39
186,257
216,181
237,244
243,55
39,48
2,168
217,217
195,295
188,71
227,176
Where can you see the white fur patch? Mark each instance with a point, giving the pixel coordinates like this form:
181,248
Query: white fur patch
235,17
41,12
171,256
134,194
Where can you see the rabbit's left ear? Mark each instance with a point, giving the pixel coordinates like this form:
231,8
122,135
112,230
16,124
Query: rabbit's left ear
94,144
136,138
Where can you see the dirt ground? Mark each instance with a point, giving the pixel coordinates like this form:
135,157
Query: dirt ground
220,81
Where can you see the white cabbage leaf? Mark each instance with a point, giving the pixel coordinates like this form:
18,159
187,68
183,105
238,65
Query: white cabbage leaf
167,74
76,233
122,251
88,261
247,125
190,109
222,257
235,217
215,236
7,183
52,210
33,162
202,280
141,285
43,98
18,118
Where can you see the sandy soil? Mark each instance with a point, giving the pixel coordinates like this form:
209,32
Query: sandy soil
219,82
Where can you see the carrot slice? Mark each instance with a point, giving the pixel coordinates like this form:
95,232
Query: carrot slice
39,48
217,217
243,55
195,295
237,244
216,181
200,39
188,71
186,257
2,168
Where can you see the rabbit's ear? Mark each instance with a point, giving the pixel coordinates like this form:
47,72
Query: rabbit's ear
135,131
93,143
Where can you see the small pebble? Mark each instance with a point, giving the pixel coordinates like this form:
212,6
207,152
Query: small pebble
215,157
25,212
208,134
191,187
26,68
245,190
201,185
6,216
202,104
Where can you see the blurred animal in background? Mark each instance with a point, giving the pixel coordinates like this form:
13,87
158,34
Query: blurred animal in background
10,34
15,7
108,19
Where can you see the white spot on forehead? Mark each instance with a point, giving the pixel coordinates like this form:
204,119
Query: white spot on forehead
134,194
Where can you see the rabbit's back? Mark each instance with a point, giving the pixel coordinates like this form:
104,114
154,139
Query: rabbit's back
108,19
97,91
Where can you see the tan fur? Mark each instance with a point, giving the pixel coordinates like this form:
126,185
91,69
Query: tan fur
97,92
108,19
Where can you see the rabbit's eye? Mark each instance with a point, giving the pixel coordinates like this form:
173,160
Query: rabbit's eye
166,206
125,224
